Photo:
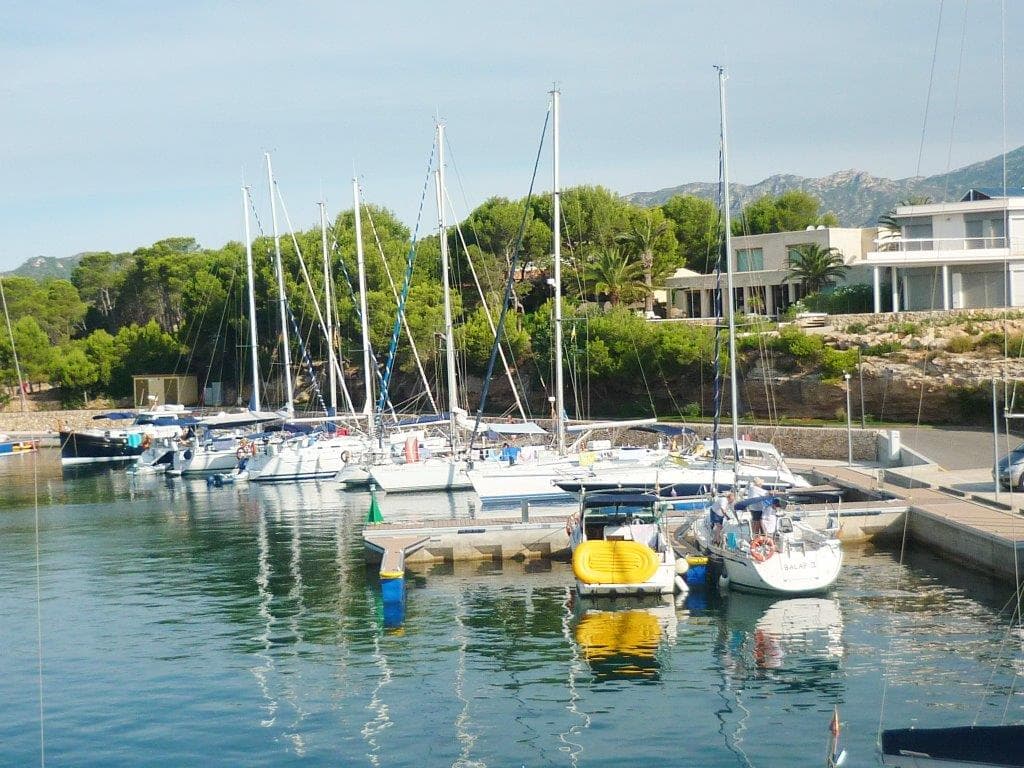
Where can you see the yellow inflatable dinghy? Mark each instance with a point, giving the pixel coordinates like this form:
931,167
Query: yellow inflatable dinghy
614,562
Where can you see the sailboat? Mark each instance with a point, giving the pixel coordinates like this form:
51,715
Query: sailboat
791,557
307,456
431,472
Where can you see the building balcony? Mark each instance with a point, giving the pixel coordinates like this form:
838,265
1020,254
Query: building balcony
943,250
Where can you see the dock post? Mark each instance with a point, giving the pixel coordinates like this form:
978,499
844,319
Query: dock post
524,508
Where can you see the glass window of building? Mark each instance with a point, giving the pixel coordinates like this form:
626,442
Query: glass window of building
749,259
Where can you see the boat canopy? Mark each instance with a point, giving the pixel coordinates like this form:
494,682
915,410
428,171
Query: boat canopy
242,419
632,499
115,415
516,428
591,425
669,430
425,420
751,500
167,421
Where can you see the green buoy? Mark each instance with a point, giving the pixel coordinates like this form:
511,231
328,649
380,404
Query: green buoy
374,515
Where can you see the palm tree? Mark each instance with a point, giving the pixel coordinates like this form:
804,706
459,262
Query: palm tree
644,232
816,266
891,230
616,275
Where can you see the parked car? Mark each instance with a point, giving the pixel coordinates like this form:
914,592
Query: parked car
1010,469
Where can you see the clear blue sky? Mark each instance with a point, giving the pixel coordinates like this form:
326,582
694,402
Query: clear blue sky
124,122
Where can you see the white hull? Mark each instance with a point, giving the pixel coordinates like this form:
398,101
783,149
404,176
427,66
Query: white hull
804,561
304,459
203,461
426,475
507,485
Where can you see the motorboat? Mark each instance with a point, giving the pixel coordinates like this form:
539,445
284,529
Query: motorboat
620,546
127,443
793,558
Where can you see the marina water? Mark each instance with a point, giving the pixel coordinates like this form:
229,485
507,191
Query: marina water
239,625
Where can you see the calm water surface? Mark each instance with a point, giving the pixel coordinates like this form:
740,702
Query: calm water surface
186,625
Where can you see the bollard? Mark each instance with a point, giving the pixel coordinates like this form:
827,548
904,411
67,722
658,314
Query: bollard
524,507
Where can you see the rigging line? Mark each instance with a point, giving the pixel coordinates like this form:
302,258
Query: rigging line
406,284
39,607
312,294
956,102
487,314
359,316
220,327
928,95
509,285
405,320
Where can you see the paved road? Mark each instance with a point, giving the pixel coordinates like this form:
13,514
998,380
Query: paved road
956,447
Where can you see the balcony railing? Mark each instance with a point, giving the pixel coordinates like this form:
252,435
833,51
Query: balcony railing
906,244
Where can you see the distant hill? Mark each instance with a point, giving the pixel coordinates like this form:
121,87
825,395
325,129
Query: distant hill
39,267
857,197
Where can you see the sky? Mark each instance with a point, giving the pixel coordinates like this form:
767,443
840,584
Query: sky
124,123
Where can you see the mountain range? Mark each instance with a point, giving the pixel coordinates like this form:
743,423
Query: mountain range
41,267
857,197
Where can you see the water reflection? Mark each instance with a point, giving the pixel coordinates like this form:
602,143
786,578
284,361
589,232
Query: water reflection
621,639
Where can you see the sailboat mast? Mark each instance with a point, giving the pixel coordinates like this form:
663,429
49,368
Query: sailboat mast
449,334
290,405
14,352
253,348
728,266
363,318
329,311
556,227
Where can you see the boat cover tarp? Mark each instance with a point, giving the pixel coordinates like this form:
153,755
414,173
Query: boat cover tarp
750,501
996,745
515,428
591,425
169,421
425,420
115,415
240,419
668,430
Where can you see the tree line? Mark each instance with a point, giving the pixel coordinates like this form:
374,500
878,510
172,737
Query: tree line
175,306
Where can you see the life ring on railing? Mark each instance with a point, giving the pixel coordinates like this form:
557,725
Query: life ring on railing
345,456
762,548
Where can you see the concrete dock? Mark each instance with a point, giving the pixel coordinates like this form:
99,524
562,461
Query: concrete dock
954,513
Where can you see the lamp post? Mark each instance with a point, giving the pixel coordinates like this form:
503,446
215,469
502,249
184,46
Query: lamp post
849,424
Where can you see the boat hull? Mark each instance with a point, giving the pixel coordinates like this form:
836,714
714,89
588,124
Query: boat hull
1000,746
428,475
84,447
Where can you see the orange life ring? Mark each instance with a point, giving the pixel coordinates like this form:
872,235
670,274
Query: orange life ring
146,442
762,548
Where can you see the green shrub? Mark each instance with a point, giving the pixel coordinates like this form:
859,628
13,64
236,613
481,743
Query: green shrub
836,362
803,346
857,328
960,344
903,329
883,348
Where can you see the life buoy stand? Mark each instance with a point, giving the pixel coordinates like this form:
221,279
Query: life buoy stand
762,548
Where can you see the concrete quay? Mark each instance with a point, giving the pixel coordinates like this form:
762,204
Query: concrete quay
952,512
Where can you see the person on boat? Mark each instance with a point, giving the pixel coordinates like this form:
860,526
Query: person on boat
757,492
720,509
769,518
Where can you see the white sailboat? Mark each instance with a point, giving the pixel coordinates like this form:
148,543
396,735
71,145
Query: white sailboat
309,456
790,558
434,473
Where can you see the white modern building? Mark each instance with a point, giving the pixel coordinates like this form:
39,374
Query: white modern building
761,280
960,255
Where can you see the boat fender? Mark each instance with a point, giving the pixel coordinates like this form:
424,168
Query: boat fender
345,456
682,566
723,583
762,548
680,582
